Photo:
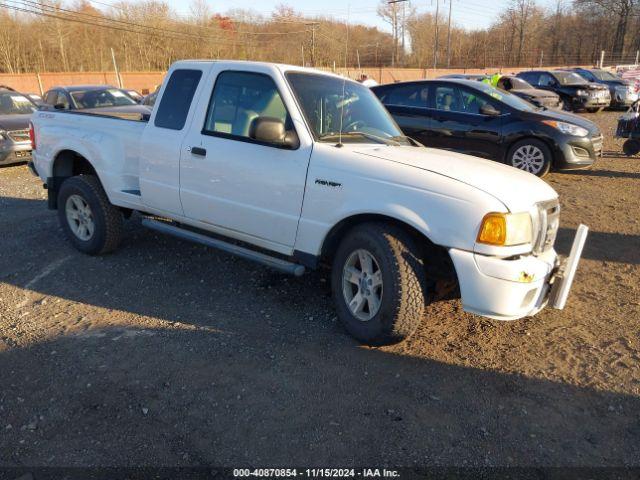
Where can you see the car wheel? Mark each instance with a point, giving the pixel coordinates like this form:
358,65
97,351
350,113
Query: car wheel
566,105
91,223
532,156
631,147
595,109
378,284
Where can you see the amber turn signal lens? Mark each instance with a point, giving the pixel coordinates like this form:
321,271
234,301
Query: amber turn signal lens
493,230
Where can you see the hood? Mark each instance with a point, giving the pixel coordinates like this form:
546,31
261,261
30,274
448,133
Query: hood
570,118
586,86
615,83
14,122
516,189
534,93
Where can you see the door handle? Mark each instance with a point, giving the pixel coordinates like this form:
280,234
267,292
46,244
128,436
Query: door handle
202,152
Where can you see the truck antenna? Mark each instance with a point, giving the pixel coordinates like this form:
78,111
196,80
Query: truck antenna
344,80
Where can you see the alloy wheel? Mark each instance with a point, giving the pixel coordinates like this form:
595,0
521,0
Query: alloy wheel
362,284
80,217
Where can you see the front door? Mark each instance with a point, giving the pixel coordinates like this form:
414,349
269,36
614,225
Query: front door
458,124
242,187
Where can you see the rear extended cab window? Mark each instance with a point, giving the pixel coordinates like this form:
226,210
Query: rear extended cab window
176,99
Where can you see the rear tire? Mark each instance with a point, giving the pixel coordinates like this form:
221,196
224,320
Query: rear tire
378,283
91,223
595,109
530,155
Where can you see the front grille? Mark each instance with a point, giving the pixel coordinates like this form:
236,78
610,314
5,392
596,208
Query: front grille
546,227
597,145
19,135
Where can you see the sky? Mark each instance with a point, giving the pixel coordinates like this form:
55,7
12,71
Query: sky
471,14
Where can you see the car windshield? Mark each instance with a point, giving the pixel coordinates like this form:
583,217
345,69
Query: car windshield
505,97
604,75
330,104
519,84
569,78
108,97
12,103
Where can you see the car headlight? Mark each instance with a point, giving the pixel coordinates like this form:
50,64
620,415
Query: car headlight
3,136
568,128
582,93
506,229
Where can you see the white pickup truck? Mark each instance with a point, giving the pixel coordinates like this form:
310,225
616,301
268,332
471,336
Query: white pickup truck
297,168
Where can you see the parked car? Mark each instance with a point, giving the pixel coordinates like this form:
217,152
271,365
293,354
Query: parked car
137,96
150,99
99,99
519,87
15,112
474,118
623,92
35,98
575,92
465,76
306,168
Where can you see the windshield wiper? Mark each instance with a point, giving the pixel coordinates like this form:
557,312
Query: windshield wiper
411,141
370,136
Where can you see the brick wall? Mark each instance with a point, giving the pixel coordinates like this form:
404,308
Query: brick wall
145,82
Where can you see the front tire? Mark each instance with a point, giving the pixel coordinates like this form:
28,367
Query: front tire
378,283
530,155
595,109
90,222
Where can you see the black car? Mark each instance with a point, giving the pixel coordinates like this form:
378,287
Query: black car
623,92
537,96
474,118
15,112
95,99
575,92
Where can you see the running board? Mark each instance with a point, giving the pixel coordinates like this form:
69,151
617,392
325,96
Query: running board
273,262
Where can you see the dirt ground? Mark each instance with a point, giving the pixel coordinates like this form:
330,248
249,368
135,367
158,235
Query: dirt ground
167,353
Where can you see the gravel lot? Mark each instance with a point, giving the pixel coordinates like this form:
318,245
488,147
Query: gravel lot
167,353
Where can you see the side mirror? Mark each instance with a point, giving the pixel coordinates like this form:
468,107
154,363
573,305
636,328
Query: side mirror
59,106
488,109
272,130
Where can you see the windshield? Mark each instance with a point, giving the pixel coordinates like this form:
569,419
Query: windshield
569,78
15,104
604,75
324,100
506,97
519,84
109,97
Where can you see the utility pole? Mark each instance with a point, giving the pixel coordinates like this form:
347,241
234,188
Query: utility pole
637,56
602,59
395,27
115,66
435,48
449,36
541,57
313,42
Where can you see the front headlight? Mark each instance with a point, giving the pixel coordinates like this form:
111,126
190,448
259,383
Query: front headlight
506,229
568,128
582,93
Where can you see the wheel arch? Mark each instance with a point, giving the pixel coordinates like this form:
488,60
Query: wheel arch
66,163
428,248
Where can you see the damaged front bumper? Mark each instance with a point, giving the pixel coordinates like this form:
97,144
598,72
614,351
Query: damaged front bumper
509,289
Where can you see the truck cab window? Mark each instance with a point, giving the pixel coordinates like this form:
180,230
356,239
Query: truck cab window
241,97
176,100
